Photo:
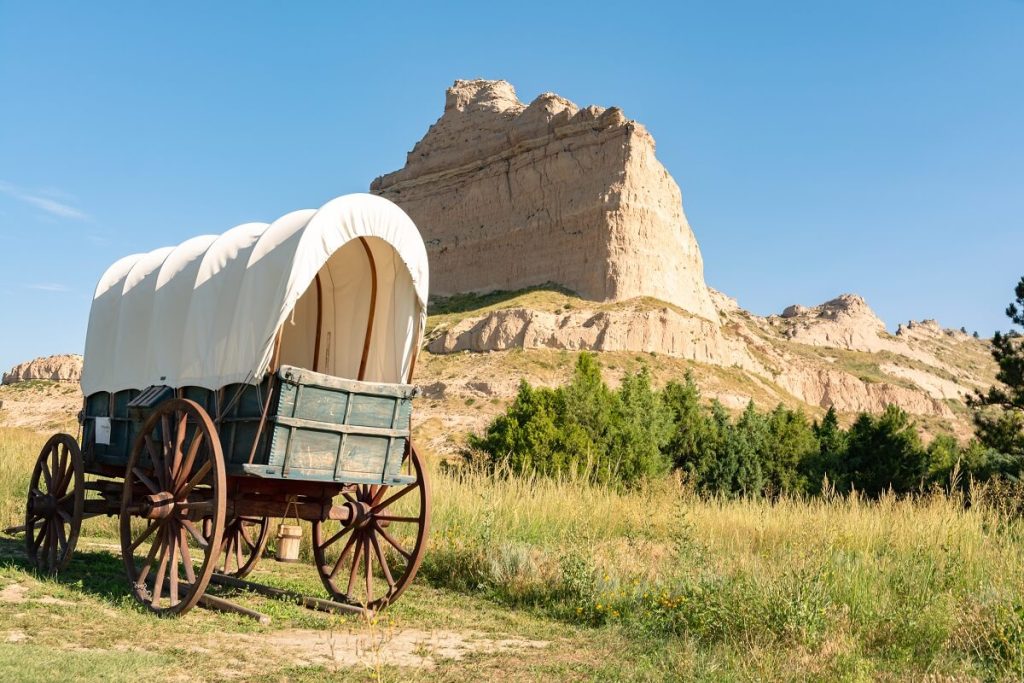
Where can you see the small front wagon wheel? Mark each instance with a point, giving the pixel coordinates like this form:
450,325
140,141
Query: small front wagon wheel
372,560
175,479
56,501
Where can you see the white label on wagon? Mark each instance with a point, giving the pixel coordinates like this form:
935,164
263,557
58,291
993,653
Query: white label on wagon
103,430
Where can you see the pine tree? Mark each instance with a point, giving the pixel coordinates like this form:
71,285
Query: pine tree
883,452
790,443
688,446
999,414
828,461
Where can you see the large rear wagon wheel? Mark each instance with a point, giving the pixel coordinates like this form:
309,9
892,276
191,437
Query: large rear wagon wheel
372,560
56,501
175,479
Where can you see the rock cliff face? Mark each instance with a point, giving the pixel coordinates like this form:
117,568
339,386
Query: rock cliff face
61,368
660,329
837,354
509,196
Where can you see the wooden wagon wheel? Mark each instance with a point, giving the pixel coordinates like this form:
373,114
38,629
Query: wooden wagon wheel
372,559
56,501
245,538
175,479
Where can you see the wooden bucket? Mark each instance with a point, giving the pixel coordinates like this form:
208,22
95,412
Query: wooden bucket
289,538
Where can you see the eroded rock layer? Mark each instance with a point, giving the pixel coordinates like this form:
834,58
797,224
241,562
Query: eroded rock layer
509,196
60,368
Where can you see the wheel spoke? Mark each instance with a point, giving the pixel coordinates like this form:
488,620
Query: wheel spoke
153,526
391,499
47,477
379,552
53,543
355,566
146,481
194,481
190,459
158,543
387,537
341,557
238,555
62,535
395,518
65,515
186,556
245,536
179,445
173,538
61,478
225,550
161,572
336,537
157,460
202,542
54,468
369,570
43,530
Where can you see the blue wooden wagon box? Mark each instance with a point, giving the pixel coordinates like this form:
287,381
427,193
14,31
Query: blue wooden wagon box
321,428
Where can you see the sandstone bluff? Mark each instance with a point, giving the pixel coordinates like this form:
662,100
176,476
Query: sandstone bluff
508,196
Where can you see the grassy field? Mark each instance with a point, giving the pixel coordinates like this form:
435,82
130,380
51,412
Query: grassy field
538,579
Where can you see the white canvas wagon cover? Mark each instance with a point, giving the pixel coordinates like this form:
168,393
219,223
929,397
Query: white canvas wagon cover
341,290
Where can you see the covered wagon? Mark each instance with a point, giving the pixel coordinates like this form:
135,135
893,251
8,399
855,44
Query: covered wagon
265,372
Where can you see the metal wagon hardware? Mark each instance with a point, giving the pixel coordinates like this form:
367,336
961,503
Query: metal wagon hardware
232,379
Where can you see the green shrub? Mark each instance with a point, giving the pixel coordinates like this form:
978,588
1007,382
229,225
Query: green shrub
583,429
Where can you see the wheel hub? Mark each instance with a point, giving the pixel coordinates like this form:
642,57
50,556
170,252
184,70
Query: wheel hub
157,505
359,514
44,505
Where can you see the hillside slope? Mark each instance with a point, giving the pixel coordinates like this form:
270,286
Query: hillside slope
836,354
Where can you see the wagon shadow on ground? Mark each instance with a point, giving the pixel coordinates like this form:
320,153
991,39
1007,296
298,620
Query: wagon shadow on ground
96,572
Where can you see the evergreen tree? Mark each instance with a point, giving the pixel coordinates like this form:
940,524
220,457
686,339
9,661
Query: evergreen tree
528,435
790,443
884,452
749,440
640,425
687,447
717,475
828,461
943,457
589,401
1002,425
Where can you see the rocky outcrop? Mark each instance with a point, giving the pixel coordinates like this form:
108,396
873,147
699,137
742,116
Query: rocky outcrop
846,322
828,387
660,329
509,196
60,368
837,354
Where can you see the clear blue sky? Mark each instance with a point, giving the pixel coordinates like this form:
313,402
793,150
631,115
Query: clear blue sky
822,147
